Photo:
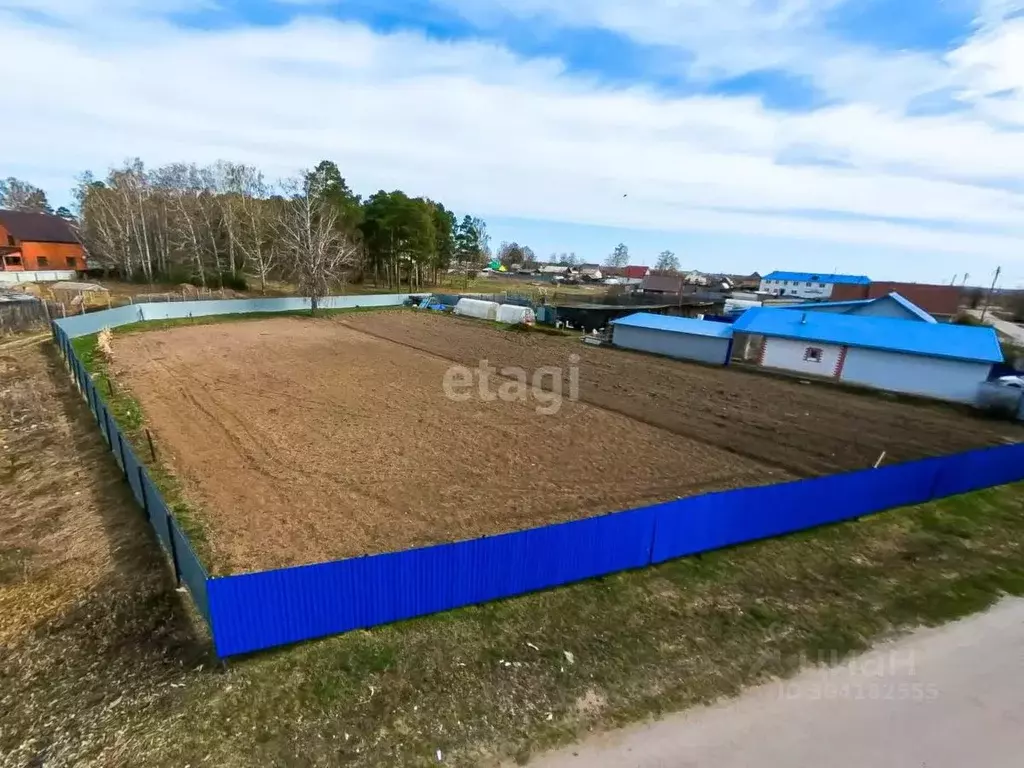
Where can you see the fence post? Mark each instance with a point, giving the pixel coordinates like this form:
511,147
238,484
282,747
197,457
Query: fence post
120,449
174,548
145,497
107,423
90,395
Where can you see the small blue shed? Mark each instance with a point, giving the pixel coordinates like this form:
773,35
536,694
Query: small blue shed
681,337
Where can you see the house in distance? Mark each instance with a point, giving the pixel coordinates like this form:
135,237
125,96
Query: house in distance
38,246
807,285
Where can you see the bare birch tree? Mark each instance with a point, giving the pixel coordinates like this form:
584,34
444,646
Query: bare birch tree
187,222
251,222
316,251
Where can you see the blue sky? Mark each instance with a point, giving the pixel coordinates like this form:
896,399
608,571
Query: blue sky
871,136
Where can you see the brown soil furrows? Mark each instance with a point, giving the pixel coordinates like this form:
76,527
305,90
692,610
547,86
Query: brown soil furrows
806,429
610,405
303,440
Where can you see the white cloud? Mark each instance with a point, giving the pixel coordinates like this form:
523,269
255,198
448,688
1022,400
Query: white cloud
990,71
719,39
485,131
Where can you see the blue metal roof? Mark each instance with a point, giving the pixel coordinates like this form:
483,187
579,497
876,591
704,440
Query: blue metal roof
851,303
676,325
907,304
910,306
960,342
810,277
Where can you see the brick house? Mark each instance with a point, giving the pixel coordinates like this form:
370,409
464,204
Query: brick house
31,242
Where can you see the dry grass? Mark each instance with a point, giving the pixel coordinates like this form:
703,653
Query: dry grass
91,629
104,343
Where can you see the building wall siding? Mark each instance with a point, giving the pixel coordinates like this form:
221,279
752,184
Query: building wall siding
850,292
56,255
797,289
684,346
934,299
954,380
5,243
789,354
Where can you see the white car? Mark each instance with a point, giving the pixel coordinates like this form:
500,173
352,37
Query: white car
1017,382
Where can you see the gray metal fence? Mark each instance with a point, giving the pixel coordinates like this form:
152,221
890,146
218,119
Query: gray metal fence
31,315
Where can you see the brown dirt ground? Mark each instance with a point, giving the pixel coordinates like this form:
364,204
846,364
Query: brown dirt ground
303,440
804,429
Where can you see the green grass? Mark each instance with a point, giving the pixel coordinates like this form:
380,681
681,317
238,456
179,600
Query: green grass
494,680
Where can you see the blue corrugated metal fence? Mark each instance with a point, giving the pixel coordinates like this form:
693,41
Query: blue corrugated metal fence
187,567
250,612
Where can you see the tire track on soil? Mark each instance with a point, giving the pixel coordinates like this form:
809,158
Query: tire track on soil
789,469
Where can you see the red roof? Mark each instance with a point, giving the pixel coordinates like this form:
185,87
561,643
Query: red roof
636,272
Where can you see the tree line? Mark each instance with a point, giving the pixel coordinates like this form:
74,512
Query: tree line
214,225
219,225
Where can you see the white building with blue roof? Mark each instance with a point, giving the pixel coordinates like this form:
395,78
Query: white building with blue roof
807,285
939,360
683,338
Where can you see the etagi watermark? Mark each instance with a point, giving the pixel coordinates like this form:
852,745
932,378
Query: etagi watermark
514,384
875,676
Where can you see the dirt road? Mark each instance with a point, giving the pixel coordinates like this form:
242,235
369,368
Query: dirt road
1014,331
939,698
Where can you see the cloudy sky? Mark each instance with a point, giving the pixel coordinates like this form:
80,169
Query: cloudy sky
883,137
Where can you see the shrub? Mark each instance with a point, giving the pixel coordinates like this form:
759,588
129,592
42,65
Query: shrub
965,319
236,281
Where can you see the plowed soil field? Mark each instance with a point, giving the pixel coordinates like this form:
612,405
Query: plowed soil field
803,429
304,440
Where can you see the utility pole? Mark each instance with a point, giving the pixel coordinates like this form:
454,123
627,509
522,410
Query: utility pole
988,297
